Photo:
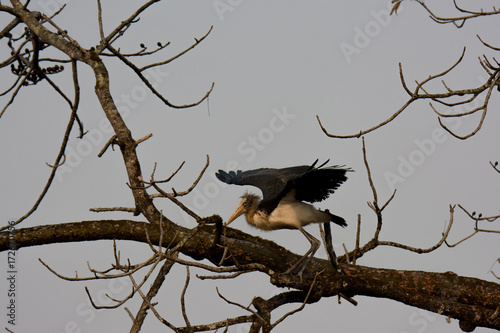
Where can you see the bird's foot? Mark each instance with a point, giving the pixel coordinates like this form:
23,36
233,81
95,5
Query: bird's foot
293,277
293,272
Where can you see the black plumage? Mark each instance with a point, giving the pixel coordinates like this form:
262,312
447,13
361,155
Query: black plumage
311,184
284,191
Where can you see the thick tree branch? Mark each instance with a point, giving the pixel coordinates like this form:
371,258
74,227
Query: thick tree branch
470,300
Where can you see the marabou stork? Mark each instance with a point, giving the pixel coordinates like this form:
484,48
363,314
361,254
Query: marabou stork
284,192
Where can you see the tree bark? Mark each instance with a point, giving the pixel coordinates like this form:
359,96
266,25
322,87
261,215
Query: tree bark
472,301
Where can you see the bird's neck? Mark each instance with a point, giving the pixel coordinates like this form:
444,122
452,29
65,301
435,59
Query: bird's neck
259,219
250,215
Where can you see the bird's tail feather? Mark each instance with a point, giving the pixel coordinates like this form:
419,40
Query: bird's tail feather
337,219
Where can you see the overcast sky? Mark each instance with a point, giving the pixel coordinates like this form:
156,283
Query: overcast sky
276,65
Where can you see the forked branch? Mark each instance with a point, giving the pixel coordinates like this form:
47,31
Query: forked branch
375,241
447,98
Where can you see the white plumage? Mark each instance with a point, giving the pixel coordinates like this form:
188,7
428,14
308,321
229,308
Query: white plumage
282,206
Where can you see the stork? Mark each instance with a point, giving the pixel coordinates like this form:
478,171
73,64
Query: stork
284,192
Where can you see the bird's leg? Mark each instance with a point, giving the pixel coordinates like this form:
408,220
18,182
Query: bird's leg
304,261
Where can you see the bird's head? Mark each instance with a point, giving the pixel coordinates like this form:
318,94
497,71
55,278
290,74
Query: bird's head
248,205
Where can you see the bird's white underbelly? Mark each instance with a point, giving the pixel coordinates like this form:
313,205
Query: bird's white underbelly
290,215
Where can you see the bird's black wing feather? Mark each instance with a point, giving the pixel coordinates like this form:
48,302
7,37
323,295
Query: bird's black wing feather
318,183
312,184
272,182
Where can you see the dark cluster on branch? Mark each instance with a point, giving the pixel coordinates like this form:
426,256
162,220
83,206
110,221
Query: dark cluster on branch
25,63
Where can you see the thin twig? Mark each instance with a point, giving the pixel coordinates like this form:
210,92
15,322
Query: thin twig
247,308
112,209
420,93
101,277
427,250
110,142
99,19
300,307
62,150
147,303
197,41
138,72
183,302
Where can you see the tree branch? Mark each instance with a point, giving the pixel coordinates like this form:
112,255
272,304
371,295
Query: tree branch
469,300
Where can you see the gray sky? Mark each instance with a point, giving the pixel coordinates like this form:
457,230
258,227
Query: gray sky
276,65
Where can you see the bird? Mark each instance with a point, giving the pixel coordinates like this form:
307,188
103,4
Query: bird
285,193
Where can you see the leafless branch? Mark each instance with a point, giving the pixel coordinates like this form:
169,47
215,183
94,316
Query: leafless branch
147,300
458,21
301,307
144,138
117,304
61,31
112,209
427,250
174,193
183,302
247,308
374,204
22,83
99,19
488,45
57,163
172,196
375,241
484,107
138,72
420,93
220,324
476,230
123,25
495,166
150,261
111,142
193,185
8,28
197,41
167,179
155,287
142,52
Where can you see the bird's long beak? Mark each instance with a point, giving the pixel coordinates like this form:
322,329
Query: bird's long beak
240,210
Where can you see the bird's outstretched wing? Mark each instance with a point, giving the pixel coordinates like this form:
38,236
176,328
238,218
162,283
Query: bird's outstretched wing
271,182
311,183
318,183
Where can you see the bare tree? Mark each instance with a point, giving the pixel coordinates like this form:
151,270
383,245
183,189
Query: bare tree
448,98
463,14
473,302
